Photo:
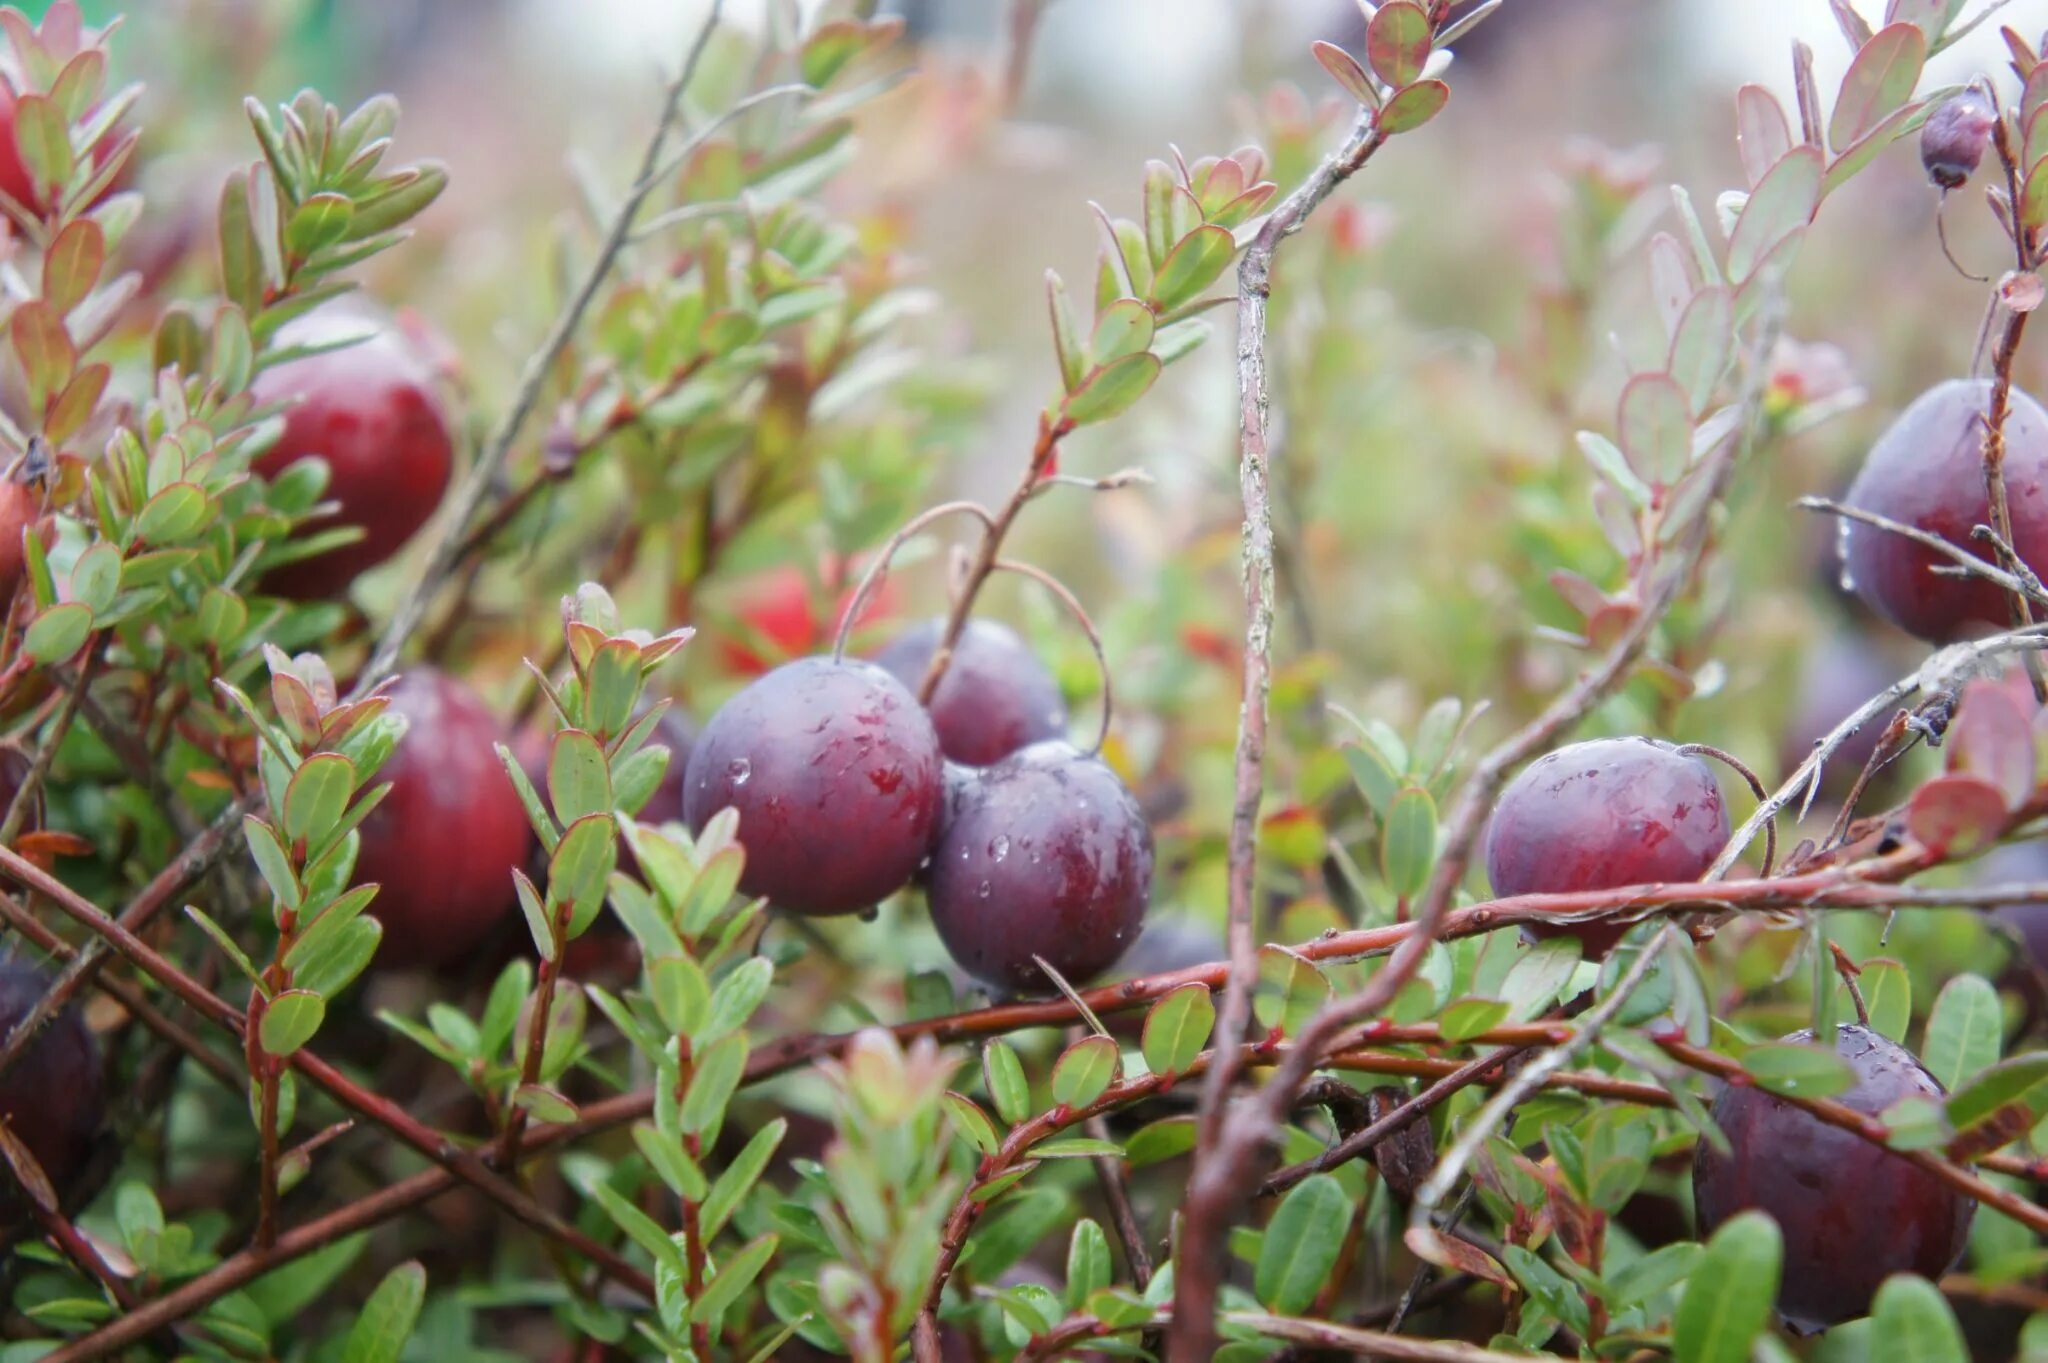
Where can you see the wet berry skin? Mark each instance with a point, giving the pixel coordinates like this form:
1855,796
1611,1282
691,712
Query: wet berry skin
444,843
1045,853
995,696
836,774
370,411
1600,815
1852,1213
53,1097
1926,471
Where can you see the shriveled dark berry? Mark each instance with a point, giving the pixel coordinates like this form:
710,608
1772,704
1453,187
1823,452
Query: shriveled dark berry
53,1098
1954,137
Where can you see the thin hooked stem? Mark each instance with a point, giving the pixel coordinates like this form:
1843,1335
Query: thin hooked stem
878,570
1080,614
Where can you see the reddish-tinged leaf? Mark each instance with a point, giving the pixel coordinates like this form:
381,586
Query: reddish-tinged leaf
74,406
72,264
1929,16
1956,815
1409,109
1878,81
2033,206
1459,1256
1345,70
44,346
1397,42
1782,203
1654,426
1673,279
1991,738
1762,133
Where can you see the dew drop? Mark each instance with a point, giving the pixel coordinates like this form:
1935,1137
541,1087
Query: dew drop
1847,578
982,890
1000,848
739,769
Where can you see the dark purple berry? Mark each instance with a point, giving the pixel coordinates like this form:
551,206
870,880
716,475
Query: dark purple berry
52,1098
995,696
1601,815
1953,139
1926,471
835,771
1043,854
1852,1213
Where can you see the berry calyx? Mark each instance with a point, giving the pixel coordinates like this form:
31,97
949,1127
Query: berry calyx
995,696
835,772
370,411
52,1098
1043,854
444,843
1600,815
1852,1213
1926,471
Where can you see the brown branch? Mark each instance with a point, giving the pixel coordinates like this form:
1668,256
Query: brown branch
1349,1339
1109,1173
1199,1267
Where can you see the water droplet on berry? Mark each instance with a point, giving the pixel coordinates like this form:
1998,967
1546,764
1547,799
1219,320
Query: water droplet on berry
1000,848
739,769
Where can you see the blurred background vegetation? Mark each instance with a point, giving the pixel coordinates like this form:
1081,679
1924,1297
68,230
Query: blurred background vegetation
1439,336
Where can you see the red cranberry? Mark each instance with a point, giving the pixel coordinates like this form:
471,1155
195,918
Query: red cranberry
1600,815
370,411
444,843
1926,471
783,620
1852,1213
52,1098
995,696
835,772
1043,854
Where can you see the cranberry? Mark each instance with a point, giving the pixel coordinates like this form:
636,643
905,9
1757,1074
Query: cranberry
1926,471
1600,815
995,696
370,411
1852,1213
1043,854
52,1098
836,774
444,843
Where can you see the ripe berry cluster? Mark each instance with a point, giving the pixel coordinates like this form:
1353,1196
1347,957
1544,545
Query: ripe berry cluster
848,789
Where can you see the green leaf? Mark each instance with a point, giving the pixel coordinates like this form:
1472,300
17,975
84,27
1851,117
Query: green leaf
1124,328
283,1293
544,1103
718,1074
1798,1069
1111,389
1964,1030
224,942
343,956
1066,336
58,633
241,268
291,1020
1008,1089
1007,1237
1700,345
972,1123
579,782
174,514
1397,42
680,993
1467,1018
737,996
1177,1028
1879,80
582,862
1378,780
1345,70
1291,990
671,1162
318,223
1414,106
1995,1105
1610,463
43,137
1888,994
1196,261
387,1320
1085,1071
1655,1272
71,265
1408,844
739,1177
735,1276
272,861
637,1224
1915,1321
1301,1244
1728,1298
1533,981
96,577
1088,1265
318,796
